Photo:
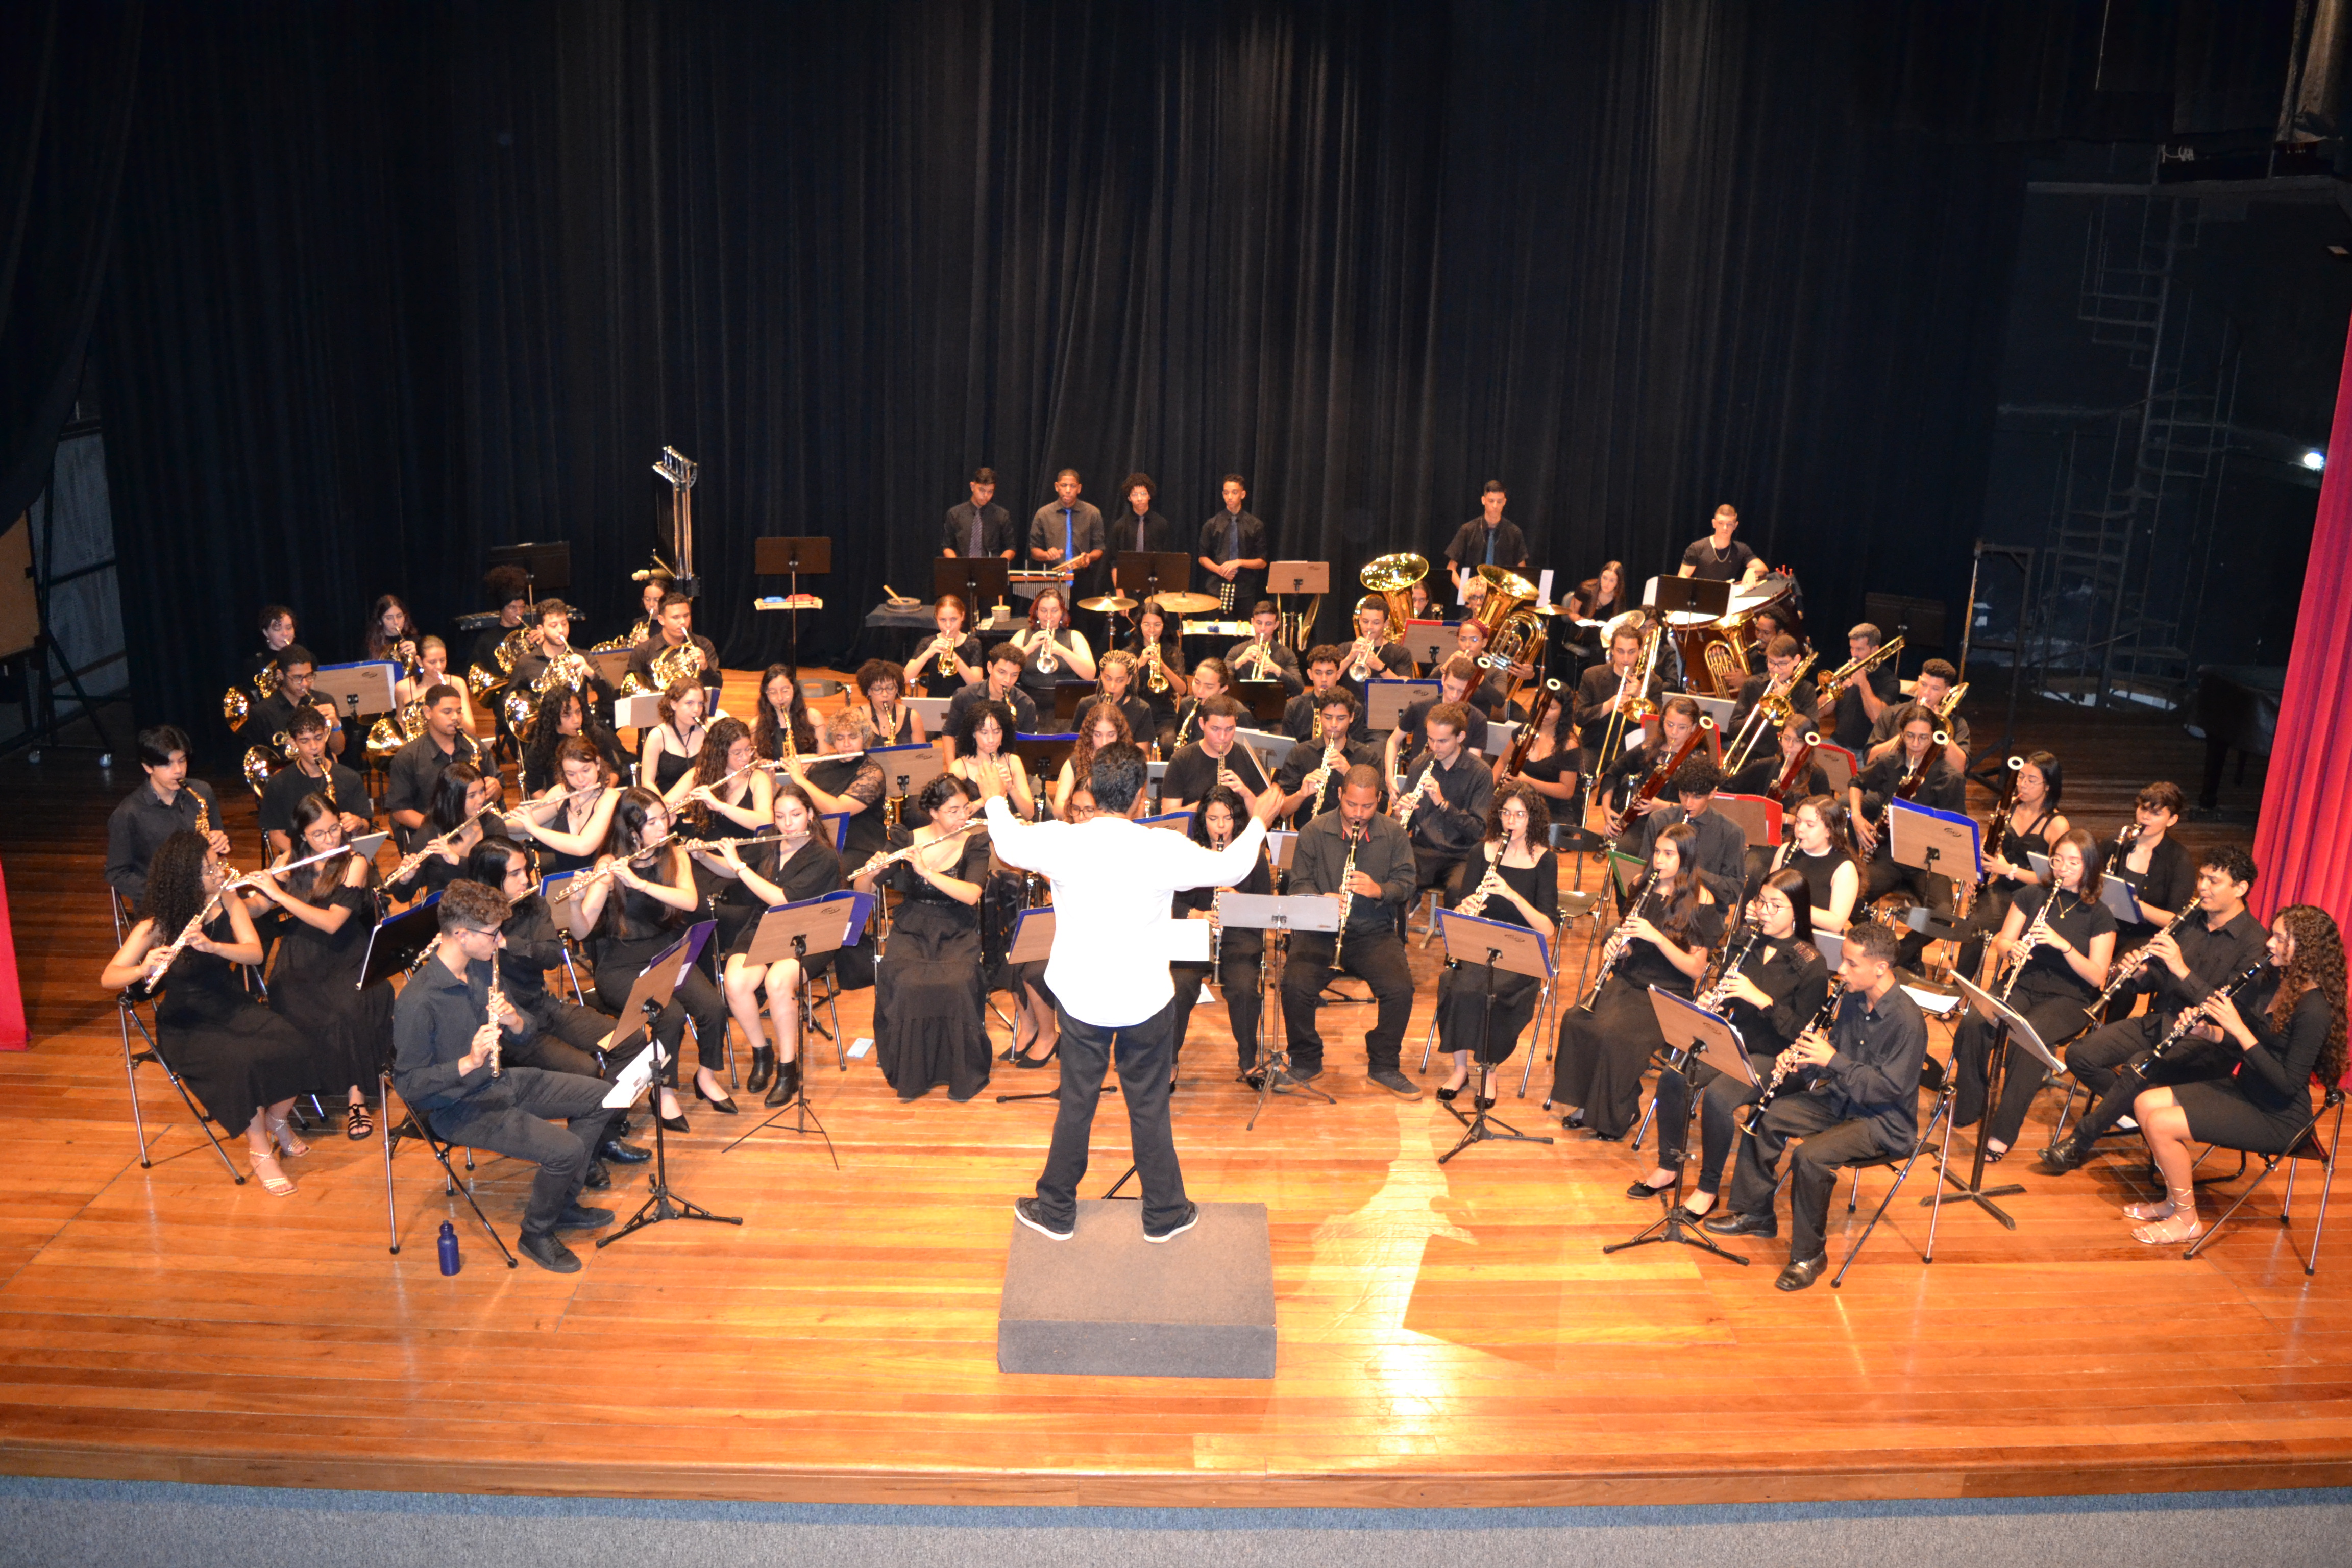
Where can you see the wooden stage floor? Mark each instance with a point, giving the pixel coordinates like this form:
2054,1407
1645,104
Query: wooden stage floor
1448,1336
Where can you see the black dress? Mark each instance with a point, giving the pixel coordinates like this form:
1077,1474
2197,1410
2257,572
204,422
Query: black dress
670,767
1461,989
733,912
2267,1101
315,986
236,1054
1992,904
553,862
2050,995
634,927
1602,1054
813,871
1240,951
928,999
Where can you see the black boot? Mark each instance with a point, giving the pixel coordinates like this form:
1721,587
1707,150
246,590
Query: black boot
763,1067
787,1084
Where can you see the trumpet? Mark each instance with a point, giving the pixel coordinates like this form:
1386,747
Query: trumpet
1366,656
1043,647
944,647
1259,659
1155,671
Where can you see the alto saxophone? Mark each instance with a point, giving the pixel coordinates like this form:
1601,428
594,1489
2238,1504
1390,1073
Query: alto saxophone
203,817
1347,895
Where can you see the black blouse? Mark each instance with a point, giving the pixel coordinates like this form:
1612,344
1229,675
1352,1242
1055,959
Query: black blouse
1798,986
1820,871
1539,884
2047,971
927,677
1642,965
1237,940
2276,1074
2170,882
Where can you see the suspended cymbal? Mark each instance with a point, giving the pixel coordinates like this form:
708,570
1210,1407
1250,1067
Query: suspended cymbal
1186,603
1110,603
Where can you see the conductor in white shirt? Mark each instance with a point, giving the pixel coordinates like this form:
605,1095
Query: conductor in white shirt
1112,881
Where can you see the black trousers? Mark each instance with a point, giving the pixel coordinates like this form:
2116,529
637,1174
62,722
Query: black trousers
1146,1052
1931,889
1237,977
515,1115
566,1039
1720,1096
696,997
2100,1058
1829,1142
1375,957
2054,1018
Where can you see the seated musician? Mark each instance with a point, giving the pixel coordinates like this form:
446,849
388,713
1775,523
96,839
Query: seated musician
951,659
1779,667
1455,678
1052,651
1302,716
1781,985
2162,876
2048,963
277,623
509,590
652,586
415,770
1311,777
1448,794
2287,1028
1863,699
551,642
1599,598
1217,821
1490,539
1371,656
1549,762
1264,657
726,796
879,683
391,633
572,816
672,630
1933,692
667,750
1210,679
978,527
1233,548
1517,884
1158,655
840,780
929,990
1360,852
1721,852
1101,722
1218,757
784,711
1669,932
274,715
1002,686
314,772
461,795
1719,558
1930,780
1598,696
563,716
2033,825
1114,676
1817,852
982,760
1768,770
446,1026
1852,1093
1763,626
798,866
1639,765
2175,972
1489,688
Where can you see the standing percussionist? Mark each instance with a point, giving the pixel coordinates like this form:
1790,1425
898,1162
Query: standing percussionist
1850,1095
1490,539
1234,549
1719,558
1113,884
445,1026
978,527
1361,855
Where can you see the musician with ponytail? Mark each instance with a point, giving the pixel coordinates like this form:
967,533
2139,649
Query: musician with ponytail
1513,877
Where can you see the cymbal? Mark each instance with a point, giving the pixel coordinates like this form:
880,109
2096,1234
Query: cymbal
1186,603
1109,602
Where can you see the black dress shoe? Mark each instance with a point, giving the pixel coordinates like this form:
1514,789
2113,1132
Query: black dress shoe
1731,1222
1798,1276
550,1253
579,1217
2061,1157
724,1104
621,1154
1023,1060
763,1068
672,1123
1483,1101
1641,1189
1303,1072
786,1085
1251,1080
598,1178
1445,1096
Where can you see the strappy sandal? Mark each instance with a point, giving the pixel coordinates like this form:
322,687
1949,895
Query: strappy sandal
281,1134
357,1126
274,1181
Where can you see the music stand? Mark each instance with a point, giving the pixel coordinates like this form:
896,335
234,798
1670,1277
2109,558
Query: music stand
1472,939
1428,642
1142,574
1289,579
808,929
356,689
647,998
1929,841
546,567
611,666
1044,754
1688,1029
980,581
908,769
1277,916
398,940
1266,700
2012,1029
1033,939
794,556
1692,596
1386,700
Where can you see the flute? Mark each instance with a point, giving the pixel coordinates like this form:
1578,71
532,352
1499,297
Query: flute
895,856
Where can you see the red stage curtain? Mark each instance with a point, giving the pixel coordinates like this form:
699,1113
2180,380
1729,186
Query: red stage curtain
2303,844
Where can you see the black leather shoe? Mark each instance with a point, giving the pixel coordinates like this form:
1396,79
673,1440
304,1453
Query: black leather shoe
2061,1157
1445,1096
1023,1060
1251,1080
763,1068
724,1104
1731,1222
786,1085
579,1217
621,1154
1641,1189
672,1123
1798,1276
598,1178
550,1253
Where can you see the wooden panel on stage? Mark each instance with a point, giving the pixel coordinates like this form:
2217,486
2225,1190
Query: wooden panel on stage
1450,1335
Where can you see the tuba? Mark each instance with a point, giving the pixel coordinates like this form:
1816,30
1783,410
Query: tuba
1515,634
1393,577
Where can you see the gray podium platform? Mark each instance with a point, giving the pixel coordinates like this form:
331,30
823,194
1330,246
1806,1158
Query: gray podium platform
1107,1303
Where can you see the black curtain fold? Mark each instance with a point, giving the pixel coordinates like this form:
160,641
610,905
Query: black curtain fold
396,283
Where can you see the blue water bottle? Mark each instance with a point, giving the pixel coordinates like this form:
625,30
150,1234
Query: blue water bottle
449,1247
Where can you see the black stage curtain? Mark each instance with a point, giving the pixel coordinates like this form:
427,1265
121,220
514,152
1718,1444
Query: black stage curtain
398,282
69,74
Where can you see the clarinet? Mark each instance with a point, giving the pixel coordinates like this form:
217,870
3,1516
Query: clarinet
1216,925
1615,945
2014,967
1347,895
1719,992
2125,970
2195,1015
1488,886
1786,1062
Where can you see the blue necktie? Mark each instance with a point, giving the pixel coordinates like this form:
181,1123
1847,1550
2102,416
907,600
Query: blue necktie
1069,540
1490,544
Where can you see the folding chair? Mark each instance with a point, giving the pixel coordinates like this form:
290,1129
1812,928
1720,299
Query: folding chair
415,1126
127,1012
2304,1147
1904,1161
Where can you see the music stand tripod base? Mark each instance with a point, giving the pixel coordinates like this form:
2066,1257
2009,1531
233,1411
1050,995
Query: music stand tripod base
1277,916
1496,946
1688,1030
647,998
794,928
2008,1028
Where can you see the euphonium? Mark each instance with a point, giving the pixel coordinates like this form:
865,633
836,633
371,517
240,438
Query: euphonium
1393,577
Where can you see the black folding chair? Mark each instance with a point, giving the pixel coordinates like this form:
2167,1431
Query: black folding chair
2307,1146
134,1057
415,1125
1900,1163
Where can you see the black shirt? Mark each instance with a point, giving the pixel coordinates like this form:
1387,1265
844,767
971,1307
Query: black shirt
2214,959
1217,544
432,1025
1302,716
1119,533
1024,710
2276,1076
1875,1077
995,530
925,672
1942,788
1460,826
1193,773
290,785
1284,662
1410,723
1853,721
1701,558
1804,697
1304,759
413,779
1469,547
1797,982
534,945
1593,692
1383,855
641,660
2047,971
138,825
2170,882
1721,852
1762,775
